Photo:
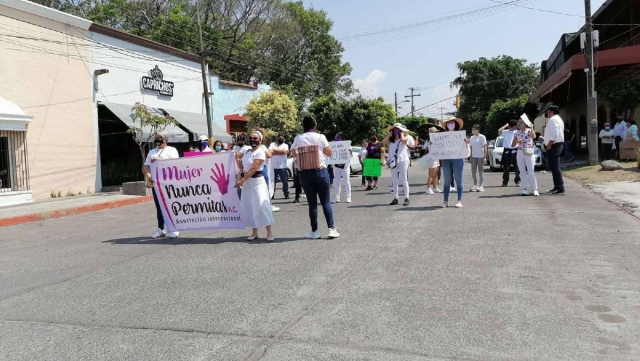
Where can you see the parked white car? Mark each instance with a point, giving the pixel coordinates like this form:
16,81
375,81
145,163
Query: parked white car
356,167
495,155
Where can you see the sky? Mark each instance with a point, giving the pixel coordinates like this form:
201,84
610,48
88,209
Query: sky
393,45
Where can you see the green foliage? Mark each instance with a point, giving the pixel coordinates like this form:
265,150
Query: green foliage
412,123
357,118
623,95
485,81
502,111
275,112
148,125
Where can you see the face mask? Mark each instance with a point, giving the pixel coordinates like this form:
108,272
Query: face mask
204,144
451,126
254,143
338,139
607,128
158,142
374,140
396,132
240,144
280,141
218,148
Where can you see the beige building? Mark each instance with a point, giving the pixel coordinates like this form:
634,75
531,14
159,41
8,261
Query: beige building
44,79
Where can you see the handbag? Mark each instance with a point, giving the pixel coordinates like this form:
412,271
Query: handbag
528,151
308,157
393,162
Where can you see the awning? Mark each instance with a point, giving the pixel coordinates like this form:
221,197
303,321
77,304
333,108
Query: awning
123,112
196,124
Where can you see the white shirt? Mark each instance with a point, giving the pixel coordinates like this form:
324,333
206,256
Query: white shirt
554,130
403,149
604,133
250,156
363,153
239,149
508,138
207,149
477,143
312,138
279,160
165,153
619,129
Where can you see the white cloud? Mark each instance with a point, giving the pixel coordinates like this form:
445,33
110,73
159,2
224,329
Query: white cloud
368,86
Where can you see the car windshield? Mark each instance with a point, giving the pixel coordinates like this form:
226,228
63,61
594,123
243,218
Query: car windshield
499,143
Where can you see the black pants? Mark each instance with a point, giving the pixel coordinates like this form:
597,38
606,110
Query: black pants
296,182
554,165
330,169
509,160
617,151
158,210
607,151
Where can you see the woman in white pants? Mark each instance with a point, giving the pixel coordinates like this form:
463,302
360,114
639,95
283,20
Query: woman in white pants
400,142
342,174
524,138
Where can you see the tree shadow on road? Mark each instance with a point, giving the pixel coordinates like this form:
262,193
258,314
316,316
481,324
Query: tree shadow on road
199,240
418,209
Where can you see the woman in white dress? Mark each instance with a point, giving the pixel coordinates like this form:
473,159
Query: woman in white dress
255,204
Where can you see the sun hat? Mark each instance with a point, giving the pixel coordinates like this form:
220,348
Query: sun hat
203,137
452,118
399,126
526,120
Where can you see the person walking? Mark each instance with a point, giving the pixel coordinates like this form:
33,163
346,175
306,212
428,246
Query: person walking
254,204
361,156
310,149
554,141
452,168
375,150
280,150
343,175
607,139
478,143
161,151
400,141
523,140
619,130
509,154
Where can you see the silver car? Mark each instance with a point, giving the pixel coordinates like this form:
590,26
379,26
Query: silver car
495,155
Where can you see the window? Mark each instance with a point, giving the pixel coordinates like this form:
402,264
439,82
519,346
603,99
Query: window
14,168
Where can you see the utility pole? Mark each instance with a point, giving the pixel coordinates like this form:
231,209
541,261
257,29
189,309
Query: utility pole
592,103
442,114
395,102
205,73
412,96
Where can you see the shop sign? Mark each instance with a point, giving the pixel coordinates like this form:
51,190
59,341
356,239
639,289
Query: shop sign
155,83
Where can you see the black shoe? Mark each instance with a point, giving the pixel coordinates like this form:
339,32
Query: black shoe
558,191
286,197
504,184
517,184
368,188
393,202
406,202
375,187
550,191
296,200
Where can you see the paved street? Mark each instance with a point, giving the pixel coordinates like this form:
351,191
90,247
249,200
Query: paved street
505,278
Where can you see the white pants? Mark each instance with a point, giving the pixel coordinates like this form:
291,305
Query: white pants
342,176
527,170
400,174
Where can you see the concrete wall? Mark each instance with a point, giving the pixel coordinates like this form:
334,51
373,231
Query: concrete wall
47,76
229,100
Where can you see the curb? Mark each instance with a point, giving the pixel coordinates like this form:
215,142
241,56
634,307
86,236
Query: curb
28,218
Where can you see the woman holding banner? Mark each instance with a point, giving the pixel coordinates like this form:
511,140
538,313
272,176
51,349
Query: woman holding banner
452,168
255,204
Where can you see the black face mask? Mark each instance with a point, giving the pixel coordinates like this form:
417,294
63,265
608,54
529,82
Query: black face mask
158,142
280,141
374,140
240,144
254,143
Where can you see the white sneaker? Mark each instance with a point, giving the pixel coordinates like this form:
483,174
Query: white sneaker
333,233
437,190
459,204
430,191
304,195
536,194
174,234
348,200
481,189
335,201
274,209
474,189
159,233
525,192
313,235
452,189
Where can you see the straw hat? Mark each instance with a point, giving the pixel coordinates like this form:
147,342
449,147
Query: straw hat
526,120
452,118
399,126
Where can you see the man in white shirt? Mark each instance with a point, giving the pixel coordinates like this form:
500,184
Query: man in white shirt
280,151
510,153
619,130
161,151
554,141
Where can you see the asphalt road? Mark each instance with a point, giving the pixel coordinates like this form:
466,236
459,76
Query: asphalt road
505,278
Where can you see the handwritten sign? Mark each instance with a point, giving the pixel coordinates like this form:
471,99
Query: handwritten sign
197,192
448,145
341,153
372,167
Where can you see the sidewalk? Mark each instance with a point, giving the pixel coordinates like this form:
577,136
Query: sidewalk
65,206
625,195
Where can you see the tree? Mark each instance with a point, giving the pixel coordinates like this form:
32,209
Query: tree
485,81
412,123
623,95
357,118
149,125
275,112
501,112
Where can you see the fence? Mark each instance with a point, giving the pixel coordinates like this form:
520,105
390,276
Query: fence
14,165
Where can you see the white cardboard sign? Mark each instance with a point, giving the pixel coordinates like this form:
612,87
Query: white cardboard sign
341,153
448,145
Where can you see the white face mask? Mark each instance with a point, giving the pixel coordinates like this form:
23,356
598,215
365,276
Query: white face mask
451,125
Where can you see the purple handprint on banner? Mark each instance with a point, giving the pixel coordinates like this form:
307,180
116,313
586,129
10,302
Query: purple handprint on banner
221,178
